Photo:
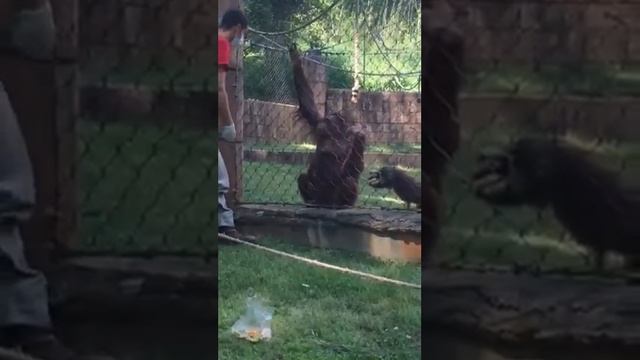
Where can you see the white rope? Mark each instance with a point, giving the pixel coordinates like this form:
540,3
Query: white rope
321,264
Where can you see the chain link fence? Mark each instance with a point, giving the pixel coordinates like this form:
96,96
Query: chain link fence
146,140
361,60
146,130
146,163
560,69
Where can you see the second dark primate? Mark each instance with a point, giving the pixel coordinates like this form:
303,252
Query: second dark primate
407,188
586,198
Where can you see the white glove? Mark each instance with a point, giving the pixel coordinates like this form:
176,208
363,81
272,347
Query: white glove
228,132
33,32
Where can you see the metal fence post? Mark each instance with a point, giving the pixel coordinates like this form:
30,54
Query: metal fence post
66,117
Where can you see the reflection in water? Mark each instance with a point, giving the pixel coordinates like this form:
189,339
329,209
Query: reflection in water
438,346
136,341
325,234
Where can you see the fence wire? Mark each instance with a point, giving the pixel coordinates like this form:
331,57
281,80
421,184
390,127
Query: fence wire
146,131
147,168
563,71
361,60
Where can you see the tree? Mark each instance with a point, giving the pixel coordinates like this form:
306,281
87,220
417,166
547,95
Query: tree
369,38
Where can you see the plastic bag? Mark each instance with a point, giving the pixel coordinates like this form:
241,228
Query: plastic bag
255,324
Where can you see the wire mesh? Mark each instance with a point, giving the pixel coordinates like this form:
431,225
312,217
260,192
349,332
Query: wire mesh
146,165
146,130
361,60
554,69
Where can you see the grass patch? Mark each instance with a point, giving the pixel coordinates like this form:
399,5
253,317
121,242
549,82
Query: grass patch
335,316
277,183
584,80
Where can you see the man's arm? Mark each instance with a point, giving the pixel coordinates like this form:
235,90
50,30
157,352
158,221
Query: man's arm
224,113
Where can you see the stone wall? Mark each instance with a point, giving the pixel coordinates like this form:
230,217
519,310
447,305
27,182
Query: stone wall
389,118
273,123
549,31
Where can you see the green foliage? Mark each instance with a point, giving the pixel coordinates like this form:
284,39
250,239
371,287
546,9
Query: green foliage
382,36
273,15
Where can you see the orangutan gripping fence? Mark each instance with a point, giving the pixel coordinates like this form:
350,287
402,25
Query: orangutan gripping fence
360,60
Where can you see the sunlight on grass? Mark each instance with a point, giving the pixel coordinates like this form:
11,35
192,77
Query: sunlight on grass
405,168
391,200
600,146
308,147
590,80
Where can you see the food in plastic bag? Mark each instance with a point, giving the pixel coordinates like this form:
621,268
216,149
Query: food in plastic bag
255,324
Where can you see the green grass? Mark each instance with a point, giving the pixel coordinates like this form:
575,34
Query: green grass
592,80
277,183
319,313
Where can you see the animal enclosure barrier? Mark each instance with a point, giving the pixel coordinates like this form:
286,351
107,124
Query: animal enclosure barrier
146,163
361,60
146,136
588,99
526,219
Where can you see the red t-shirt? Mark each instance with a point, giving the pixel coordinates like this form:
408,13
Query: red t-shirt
224,53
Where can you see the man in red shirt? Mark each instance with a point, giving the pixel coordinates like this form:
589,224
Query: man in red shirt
232,28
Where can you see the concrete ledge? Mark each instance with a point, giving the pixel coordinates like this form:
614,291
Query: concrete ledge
550,309
381,221
130,288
